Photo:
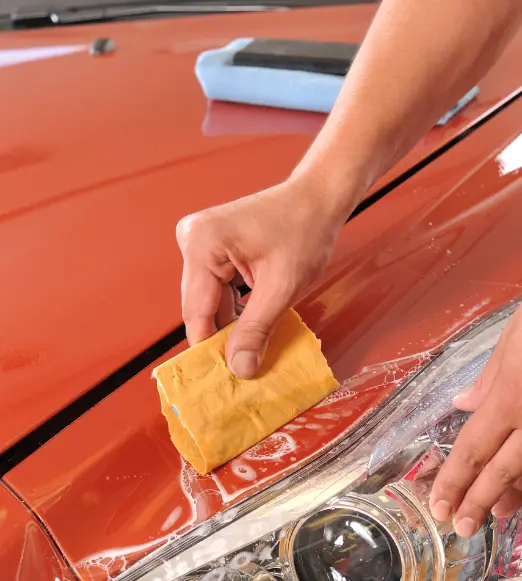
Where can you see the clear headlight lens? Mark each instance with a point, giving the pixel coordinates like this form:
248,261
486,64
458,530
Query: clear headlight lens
343,543
360,512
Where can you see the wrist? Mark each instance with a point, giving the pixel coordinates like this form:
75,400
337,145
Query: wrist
338,196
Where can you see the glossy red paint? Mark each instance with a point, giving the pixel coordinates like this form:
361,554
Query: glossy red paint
95,177
408,274
26,553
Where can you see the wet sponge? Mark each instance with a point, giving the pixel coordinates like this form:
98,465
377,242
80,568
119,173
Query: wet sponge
213,416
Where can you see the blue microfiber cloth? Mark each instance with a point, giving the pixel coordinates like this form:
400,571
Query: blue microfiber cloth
287,89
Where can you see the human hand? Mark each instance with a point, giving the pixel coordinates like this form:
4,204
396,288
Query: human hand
277,241
484,470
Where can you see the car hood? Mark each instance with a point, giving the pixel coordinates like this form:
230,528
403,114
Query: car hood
101,156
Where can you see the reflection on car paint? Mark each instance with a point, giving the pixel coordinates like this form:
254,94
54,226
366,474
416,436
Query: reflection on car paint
510,158
237,119
10,57
26,552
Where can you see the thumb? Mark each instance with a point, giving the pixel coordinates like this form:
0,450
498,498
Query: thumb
249,338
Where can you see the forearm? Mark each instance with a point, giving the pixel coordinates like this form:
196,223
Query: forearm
418,59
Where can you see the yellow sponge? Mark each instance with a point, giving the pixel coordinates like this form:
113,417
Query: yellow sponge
213,416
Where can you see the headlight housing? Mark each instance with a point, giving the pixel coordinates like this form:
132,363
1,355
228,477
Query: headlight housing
360,512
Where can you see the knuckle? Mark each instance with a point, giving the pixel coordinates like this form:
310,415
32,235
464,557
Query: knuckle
503,475
183,228
471,458
450,488
256,330
190,228
474,506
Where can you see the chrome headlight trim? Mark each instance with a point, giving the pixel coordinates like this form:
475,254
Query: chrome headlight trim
369,457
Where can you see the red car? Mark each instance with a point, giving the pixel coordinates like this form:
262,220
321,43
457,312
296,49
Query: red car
100,156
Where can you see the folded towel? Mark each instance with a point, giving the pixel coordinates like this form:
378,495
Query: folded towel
468,97
287,89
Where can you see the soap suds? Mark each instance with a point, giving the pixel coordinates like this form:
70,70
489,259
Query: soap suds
226,496
243,470
466,318
187,476
339,394
115,561
327,416
275,446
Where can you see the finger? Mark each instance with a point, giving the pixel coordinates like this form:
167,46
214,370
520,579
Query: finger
470,399
510,502
237,296
476,444
248,340
239,307
226,312
238,280
498,476
200,298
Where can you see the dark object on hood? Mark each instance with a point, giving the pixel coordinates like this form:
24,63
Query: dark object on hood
332,58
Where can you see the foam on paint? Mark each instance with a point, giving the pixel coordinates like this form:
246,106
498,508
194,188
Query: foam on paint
276,446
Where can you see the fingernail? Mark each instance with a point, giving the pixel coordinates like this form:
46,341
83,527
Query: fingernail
244,364
466,527
441,511
497,512
461,395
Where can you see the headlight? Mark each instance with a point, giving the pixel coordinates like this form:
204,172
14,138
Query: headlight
360,512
